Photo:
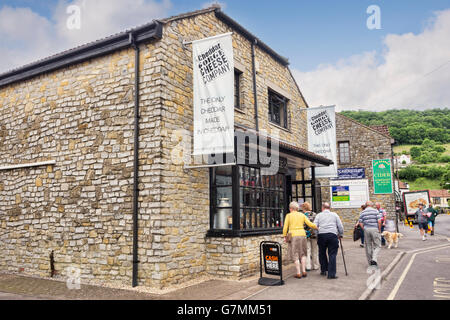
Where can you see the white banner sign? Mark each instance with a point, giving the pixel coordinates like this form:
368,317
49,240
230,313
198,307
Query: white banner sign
213,95
322,138
349,193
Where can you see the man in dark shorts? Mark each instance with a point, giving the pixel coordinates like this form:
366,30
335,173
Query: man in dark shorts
422,219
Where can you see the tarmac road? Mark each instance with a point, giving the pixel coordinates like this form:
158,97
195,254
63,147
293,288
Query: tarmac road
422,274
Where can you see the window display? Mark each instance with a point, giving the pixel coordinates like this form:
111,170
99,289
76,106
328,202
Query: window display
261,203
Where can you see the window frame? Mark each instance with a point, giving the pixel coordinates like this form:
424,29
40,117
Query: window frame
348,150
236,230
283,114
237,88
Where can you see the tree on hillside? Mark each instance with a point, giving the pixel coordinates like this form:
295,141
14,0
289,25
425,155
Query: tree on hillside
409,126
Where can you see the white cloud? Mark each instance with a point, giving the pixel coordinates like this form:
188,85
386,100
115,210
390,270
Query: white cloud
414,72
27,36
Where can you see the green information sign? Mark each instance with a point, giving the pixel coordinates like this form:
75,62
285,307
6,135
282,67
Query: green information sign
382,176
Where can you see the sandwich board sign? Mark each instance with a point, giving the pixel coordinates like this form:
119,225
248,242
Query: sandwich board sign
271,255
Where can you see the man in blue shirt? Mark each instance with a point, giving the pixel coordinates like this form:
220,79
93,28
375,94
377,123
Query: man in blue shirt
330,230
370,220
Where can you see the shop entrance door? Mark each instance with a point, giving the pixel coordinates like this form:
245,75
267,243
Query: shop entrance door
304,191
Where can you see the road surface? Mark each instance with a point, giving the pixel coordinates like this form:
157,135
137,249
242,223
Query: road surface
422,274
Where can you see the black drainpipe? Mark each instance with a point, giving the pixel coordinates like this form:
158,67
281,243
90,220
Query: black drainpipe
254,43
136,160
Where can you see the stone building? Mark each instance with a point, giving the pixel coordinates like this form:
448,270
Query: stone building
87,172
357,145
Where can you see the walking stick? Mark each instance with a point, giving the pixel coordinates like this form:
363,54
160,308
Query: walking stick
343,258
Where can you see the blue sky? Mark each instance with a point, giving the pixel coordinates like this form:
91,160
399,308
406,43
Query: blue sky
326,41
309,33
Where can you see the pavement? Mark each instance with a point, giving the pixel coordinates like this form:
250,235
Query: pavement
360,283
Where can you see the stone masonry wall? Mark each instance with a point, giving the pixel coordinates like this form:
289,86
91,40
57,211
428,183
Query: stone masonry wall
81,208
366,145
185,202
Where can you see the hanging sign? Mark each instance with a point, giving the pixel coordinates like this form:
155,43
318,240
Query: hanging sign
382,176
322,138
213,95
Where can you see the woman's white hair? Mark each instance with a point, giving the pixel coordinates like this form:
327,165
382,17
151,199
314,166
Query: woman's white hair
294,205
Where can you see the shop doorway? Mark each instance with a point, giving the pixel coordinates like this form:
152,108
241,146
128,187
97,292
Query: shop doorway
304,190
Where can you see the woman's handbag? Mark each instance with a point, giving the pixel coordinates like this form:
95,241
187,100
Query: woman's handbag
357,233
289,237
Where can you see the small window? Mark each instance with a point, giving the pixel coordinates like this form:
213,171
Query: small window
436,200
344,152
237,89
278,109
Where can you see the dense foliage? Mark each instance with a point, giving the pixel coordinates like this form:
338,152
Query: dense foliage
441,173
409,126
428,152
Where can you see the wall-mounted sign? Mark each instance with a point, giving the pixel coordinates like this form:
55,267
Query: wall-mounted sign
213,95
349,193
382,176
351,173
322,138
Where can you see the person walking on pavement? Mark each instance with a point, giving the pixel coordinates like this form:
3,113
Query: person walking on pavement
432,213
422,218
362,231
330,231
383,221
294,224
312,257
370,221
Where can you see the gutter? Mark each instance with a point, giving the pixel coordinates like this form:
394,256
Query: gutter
143,34
135,46
255,95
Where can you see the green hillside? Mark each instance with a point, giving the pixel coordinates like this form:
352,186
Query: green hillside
409,126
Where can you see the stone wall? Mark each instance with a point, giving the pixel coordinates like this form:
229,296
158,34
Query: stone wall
185,203
80,208
366,145
237,258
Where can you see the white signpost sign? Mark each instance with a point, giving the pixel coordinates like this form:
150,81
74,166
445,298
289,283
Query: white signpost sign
349,193
322,138
213,95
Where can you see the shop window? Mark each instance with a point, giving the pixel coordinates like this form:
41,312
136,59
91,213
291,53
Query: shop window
278,109
261,199
222,197
344,152
258,204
